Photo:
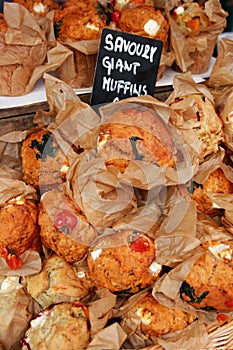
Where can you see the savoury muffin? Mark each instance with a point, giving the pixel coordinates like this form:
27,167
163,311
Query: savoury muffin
77,21
136,133
199,114
37,7
19,56
126,265
217,182
190,17
64,228
156,319
145,21
209,284
58,281
60,326
44,164
19,230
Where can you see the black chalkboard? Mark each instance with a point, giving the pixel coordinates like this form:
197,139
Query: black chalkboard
127,65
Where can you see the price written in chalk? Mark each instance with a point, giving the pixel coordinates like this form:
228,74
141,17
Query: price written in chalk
127,65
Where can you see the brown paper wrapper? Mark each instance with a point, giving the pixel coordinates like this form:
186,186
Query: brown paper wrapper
78,71
193,52
221,85
16,310
26,53
222,71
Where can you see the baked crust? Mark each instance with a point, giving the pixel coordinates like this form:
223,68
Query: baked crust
19,227
209,284
42,160
77,22
69,241
60,326
39,8
136,134
57,282
157,319
145,21
217,182
125,267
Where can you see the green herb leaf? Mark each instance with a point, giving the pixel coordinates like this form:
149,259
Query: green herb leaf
133,140
189,291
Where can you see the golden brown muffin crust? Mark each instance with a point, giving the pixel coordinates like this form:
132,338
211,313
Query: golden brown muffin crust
124,268
157,319
19,228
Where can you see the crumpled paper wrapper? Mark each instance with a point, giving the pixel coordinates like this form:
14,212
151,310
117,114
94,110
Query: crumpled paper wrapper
194,51
101,310
16,310
220,83
166,290
194,335
146,175
98,193
79,69
222,71
26,53
184,85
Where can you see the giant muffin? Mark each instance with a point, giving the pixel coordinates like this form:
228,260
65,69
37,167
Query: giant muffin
44,164
78,26
19,229
216,182
199,114
126,265
39,8
58,281
209,284
60,326
64,228
156,319
136,133
145,21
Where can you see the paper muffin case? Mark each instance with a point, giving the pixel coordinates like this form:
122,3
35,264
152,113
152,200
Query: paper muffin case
193,51
78,71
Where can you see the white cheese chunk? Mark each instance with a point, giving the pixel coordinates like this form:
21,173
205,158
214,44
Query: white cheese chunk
151,27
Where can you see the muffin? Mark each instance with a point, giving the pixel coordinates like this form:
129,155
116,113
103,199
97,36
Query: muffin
126,265
38,8
60,326
19,230
63,228
136,133
209,284
77,21
20,54
156,319
199,114
58,281
194,31
190,17
145,21
44,164
78,26
217,182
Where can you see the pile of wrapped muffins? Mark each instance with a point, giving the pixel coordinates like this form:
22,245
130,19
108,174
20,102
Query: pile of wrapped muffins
64,37
116,228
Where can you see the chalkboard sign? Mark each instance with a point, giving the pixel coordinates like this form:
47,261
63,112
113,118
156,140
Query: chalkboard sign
127,65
